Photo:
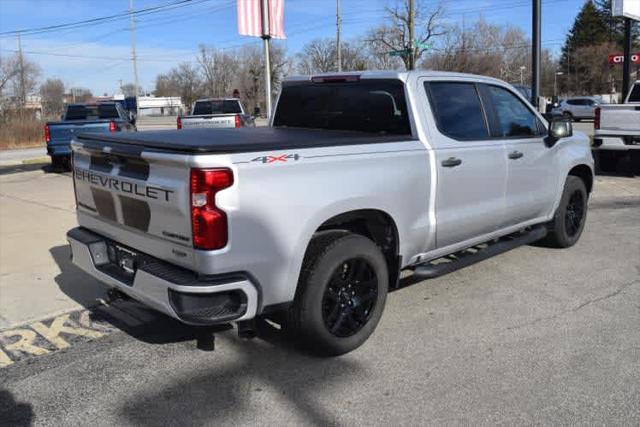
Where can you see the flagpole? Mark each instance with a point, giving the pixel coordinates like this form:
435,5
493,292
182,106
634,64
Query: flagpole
267,60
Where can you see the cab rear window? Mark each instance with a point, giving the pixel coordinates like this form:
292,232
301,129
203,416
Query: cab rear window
372,105
216,107
91,112
634,96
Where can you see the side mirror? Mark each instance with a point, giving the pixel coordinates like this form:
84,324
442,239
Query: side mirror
558,129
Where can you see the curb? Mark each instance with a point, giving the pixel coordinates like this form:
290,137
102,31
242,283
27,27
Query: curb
32,161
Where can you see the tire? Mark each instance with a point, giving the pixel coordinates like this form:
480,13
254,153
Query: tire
571,215
567,115
333,313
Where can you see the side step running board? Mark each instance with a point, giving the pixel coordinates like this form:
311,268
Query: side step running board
466,258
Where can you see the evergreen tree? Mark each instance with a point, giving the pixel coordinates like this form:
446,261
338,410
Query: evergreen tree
590,28
615,24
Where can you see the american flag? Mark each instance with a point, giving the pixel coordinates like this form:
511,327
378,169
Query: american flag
250,18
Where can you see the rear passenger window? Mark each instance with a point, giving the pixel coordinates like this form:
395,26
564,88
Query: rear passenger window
514,118
457,109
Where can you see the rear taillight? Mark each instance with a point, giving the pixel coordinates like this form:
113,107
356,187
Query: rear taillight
112,126
47,133
596,119
208,223
238,123
179,122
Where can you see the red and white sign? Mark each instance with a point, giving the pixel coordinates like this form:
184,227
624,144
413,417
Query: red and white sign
250,18
618,58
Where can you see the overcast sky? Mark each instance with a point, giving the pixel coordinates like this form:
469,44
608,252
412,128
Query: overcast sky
98,56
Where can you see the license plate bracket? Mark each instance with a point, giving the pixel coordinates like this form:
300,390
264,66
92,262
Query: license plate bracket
123,258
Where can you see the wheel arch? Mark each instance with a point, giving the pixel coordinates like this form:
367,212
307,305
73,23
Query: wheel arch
585,173
376,225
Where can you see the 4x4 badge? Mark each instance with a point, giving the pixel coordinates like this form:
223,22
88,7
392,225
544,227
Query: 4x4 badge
276,159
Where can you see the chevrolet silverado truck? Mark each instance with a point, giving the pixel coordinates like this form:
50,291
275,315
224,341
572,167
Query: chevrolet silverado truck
216,113
311,220
105,117
617,133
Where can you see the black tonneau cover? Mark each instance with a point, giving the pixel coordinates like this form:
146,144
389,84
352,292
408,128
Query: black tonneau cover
241,140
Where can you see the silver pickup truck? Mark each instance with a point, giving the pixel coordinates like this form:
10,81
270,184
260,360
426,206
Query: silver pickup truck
216,113
311,220
617,132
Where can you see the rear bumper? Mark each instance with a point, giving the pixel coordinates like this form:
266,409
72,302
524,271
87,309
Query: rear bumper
615,142
174,291
55,150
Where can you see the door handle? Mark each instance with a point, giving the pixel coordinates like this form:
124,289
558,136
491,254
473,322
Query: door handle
515,155
451,162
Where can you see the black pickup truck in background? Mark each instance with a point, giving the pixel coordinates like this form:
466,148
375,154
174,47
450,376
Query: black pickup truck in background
105,117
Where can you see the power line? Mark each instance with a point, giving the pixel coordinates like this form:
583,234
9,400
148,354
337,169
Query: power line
103,19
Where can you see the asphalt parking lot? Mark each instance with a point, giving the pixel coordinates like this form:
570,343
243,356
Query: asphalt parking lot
535,335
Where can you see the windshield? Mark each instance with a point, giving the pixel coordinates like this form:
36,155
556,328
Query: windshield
375,106
634,96
216,107
91,112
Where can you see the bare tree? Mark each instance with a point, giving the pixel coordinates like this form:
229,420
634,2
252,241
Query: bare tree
52,97
9,69
317,56
128,89
394,35
219,69
183,81
80,95
250,76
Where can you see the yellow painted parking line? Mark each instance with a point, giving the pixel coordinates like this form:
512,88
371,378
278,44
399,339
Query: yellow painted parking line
47,336
52,333
24,343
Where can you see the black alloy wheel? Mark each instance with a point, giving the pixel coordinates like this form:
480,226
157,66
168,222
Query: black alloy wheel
350,297
574,213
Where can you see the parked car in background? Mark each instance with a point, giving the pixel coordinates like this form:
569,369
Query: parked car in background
104,117
577,108
617,133
216,113
312,219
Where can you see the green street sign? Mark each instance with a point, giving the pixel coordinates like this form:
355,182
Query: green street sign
423,45
400,52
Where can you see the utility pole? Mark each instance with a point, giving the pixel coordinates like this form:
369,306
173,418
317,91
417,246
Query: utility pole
23,90
338,23
535,54
133,52
266,36
411,23
626,65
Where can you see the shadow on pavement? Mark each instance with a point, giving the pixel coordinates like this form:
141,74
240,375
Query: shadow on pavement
8,170
75,283
14,413
223,394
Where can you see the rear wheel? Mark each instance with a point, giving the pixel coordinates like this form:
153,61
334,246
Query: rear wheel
341,293
567,115
571,215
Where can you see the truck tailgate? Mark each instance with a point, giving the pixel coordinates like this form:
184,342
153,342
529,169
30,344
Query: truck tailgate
138,199
210,121
64,132
620,118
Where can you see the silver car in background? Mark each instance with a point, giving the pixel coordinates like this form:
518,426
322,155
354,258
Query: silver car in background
577,108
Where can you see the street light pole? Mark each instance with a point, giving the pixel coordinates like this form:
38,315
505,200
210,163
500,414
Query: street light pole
555,82
535,54
522,68
338,48
266,36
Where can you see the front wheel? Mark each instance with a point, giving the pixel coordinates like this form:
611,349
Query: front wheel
341,293
571,215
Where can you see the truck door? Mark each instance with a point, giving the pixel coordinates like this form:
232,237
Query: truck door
471,167
531,180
